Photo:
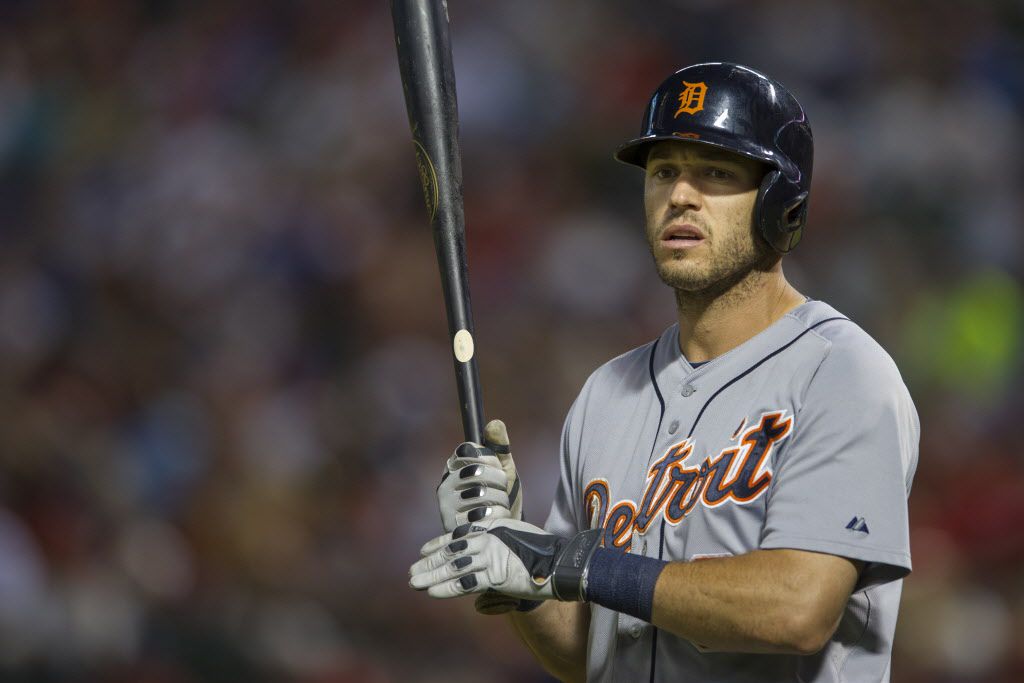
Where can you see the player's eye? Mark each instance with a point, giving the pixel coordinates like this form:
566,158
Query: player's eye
718,173
664,173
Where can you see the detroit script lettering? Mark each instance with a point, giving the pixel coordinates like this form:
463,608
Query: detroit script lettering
739,474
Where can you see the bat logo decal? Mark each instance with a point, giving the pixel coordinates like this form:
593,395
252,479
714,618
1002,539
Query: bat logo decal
428,178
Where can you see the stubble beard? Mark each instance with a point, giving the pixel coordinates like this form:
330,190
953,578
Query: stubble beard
734,266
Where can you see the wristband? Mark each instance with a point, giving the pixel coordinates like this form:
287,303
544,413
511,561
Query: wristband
623,582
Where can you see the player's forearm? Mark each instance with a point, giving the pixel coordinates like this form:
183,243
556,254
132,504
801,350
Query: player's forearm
556,634
772,601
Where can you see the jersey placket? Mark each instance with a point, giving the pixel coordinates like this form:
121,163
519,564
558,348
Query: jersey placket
678,387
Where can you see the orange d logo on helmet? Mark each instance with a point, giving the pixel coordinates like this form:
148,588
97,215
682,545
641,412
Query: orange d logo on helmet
691,99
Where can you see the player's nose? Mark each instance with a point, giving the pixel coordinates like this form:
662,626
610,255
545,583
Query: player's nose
685,192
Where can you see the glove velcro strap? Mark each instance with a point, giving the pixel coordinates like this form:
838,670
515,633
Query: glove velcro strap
568,580
562,561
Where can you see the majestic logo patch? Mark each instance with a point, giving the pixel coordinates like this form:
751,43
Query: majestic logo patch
739,475
691,98
858,524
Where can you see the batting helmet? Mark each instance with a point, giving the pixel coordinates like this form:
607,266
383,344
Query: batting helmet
743,111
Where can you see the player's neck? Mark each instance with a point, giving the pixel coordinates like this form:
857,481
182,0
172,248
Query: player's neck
711,323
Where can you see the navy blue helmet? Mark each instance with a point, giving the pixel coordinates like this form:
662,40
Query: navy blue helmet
744,111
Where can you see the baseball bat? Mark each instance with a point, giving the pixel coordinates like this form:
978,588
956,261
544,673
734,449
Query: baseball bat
428,80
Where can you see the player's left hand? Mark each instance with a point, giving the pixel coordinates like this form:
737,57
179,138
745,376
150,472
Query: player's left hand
509,556
480,481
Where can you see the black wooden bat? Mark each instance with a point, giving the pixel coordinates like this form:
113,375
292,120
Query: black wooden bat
428,79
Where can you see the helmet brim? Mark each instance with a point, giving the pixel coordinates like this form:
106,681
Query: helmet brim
635,151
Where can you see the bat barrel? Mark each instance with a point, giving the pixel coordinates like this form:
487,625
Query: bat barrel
428,81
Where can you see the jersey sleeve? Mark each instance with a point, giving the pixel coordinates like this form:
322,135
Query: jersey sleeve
841,484
564,517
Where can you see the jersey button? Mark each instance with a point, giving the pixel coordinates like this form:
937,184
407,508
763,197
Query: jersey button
635,630
688,390
673,427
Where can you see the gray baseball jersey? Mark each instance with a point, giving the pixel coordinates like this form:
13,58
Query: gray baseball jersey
802,437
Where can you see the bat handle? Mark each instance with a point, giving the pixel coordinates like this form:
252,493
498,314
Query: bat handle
468,382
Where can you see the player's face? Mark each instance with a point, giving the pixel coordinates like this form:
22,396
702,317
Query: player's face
699,203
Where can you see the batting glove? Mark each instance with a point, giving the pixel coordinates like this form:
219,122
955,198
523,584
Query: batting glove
509,556
480,482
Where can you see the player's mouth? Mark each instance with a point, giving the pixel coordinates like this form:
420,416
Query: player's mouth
681,236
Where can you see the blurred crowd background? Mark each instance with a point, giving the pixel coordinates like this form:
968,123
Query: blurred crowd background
225,381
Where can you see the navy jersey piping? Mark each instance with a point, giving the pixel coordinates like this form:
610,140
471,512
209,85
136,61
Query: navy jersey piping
864,632
657,390
661,416
661,541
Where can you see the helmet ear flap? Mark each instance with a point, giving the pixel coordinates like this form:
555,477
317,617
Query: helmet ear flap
780,211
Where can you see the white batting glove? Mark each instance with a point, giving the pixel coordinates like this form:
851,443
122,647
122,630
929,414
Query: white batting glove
480,481
509,556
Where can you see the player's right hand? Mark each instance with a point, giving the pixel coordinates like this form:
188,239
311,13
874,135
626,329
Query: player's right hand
480,481
510,557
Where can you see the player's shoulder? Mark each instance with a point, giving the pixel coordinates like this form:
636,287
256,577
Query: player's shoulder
631,368
850,350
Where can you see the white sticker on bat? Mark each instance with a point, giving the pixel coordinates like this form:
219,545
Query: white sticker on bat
463,345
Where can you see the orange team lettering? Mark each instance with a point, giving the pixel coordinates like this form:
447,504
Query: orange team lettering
738,474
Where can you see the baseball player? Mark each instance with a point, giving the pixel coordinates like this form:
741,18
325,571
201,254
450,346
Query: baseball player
733,495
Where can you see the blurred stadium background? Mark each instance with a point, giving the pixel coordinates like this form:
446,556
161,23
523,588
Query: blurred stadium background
226,390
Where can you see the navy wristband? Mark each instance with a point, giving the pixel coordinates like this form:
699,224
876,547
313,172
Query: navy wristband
623,582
